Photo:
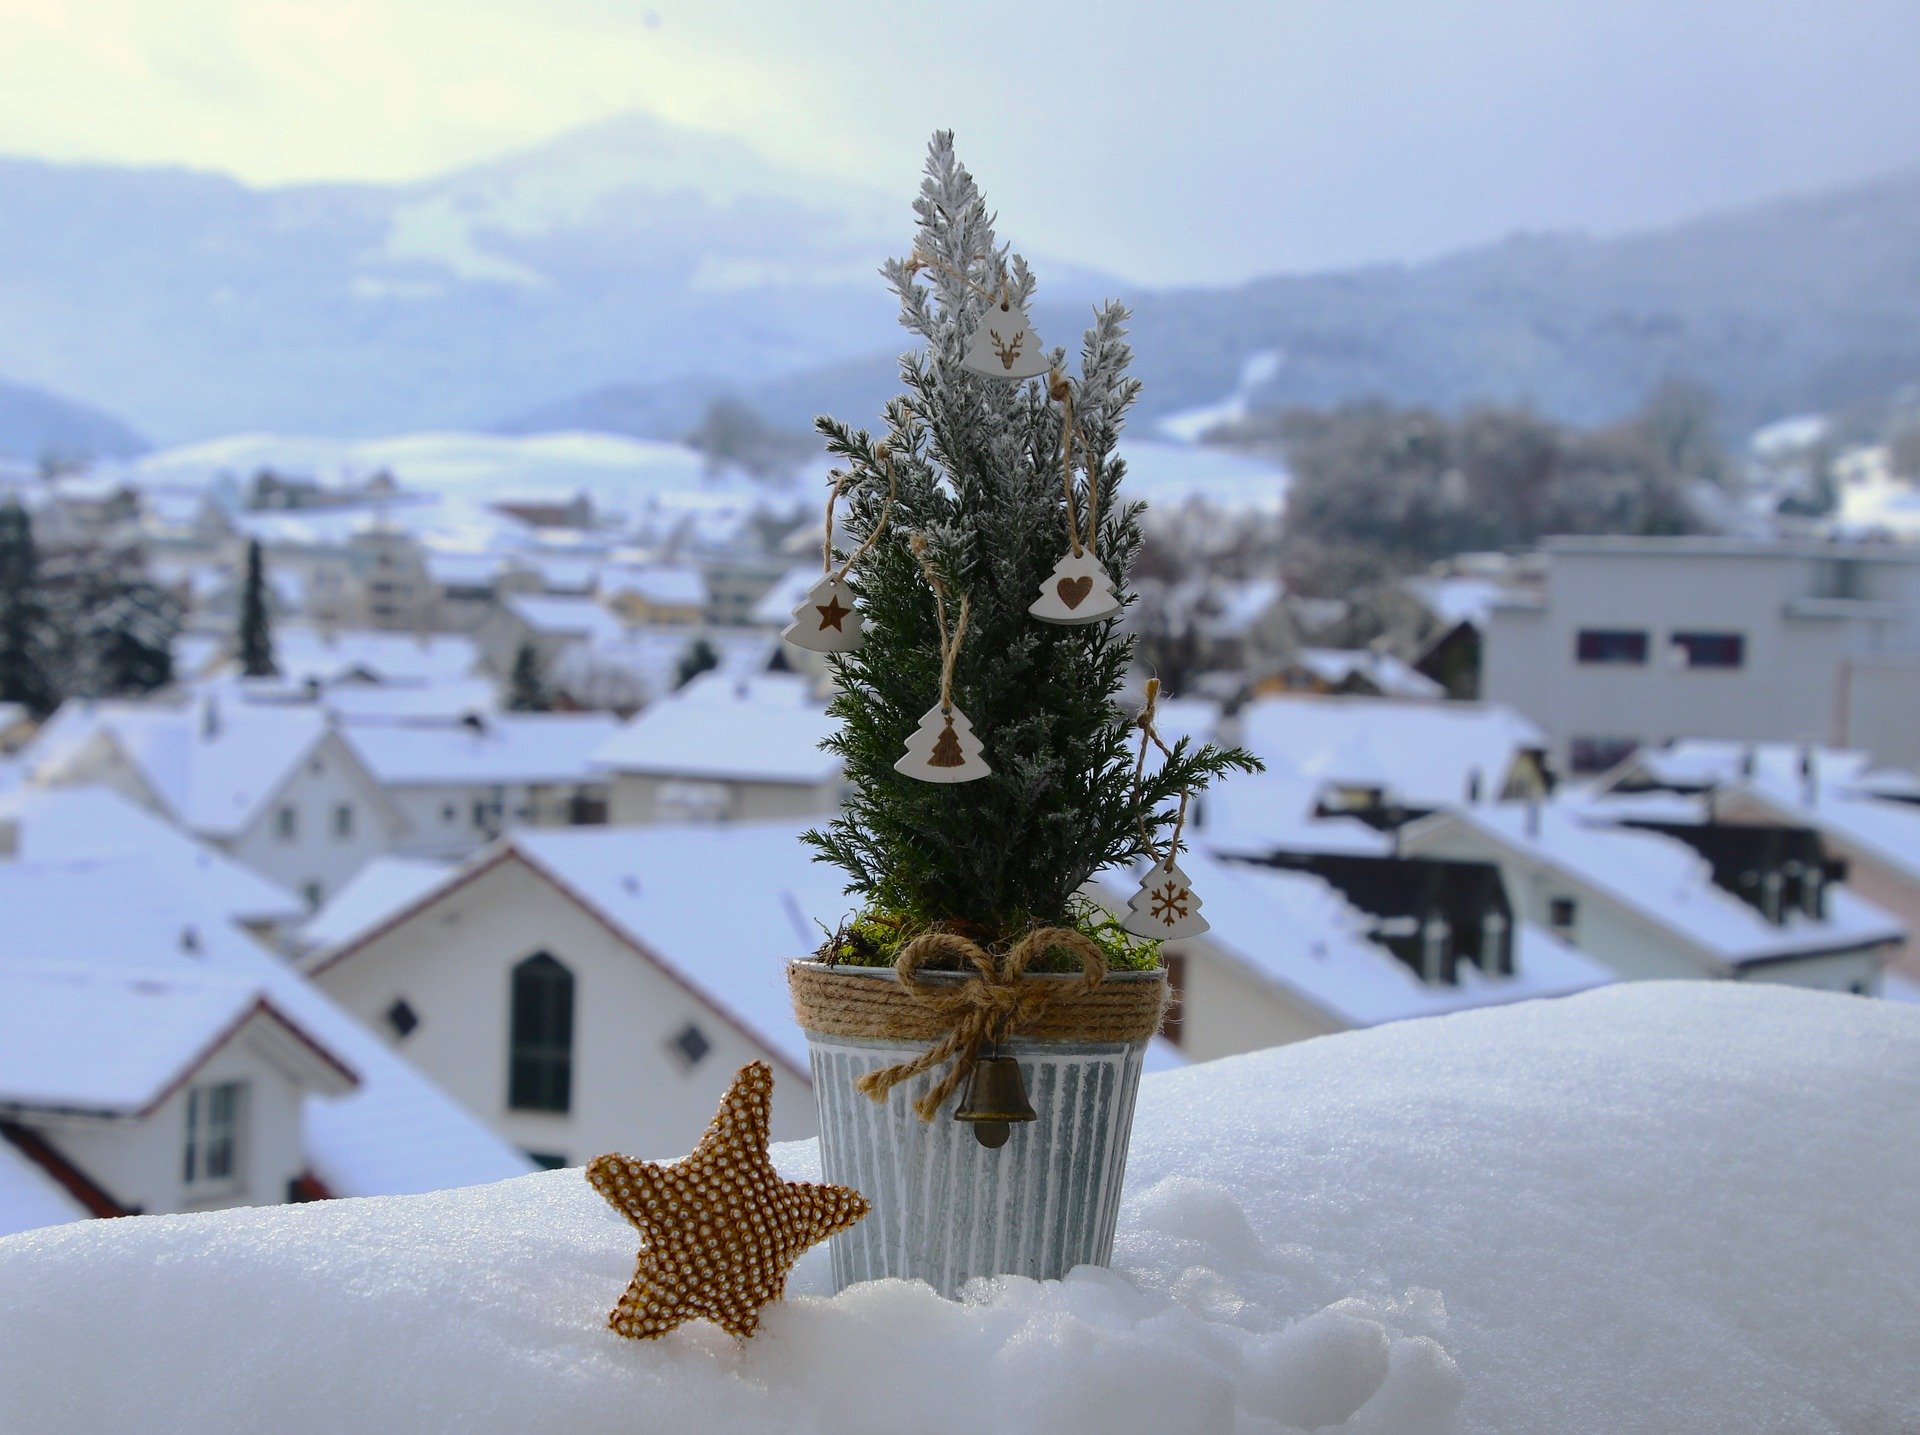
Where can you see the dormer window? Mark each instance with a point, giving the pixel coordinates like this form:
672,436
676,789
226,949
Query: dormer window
212,1157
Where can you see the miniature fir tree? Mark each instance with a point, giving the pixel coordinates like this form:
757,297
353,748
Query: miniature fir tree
26,652
981,509
527,684
256,624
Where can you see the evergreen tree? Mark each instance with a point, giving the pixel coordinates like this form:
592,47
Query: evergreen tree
125,641
26,652
980,496
527,685
256,624
699,658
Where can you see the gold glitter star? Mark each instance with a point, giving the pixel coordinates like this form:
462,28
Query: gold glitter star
720,1228
831,613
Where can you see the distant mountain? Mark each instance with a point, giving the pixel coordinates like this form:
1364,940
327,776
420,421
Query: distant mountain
35,424
623,276
630,250
1798,305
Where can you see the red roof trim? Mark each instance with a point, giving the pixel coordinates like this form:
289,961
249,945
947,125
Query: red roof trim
260,1007
70,1178
410,911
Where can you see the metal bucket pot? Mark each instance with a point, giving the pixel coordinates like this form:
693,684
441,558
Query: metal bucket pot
945,1207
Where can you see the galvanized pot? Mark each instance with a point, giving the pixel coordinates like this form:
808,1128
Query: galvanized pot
945,1207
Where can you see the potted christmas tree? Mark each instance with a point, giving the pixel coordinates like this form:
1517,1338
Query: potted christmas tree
970,609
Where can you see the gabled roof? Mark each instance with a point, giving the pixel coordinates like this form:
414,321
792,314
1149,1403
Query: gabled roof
396,1133
1694,764
213,764
306,654
1422,754
721,909
116,1043
1392,676
506,748
723,728
1665,882
668,585
565,617
1296,931
29,1196
380,888
71,824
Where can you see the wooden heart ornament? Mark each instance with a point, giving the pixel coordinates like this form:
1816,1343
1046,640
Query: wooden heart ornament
1077,591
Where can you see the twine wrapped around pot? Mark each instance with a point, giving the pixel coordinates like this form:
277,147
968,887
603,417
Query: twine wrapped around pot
998,999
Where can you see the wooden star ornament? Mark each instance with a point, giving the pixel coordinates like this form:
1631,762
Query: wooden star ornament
720,1230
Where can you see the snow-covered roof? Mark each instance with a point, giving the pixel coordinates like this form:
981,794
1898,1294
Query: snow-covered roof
397,1132
507,748
1262,812
1456,599
725,728
1394,1230
117,1043
29,1197
213,764
374,893
672,586
308,655
1665,881
1887,831
444,701
1716,762
1392,676
71,824
1297,931
722,907
566,617
1422,754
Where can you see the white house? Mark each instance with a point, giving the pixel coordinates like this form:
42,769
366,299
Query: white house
460,785
725,748
1288,957
1647,903
593,990
125,974
549,624
158,1093
1635,641
276,788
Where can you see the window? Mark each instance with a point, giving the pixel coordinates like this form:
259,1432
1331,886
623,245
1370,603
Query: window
548,1160
343,820
286,823
1600,754
1711,650
1611,645
448,812
690,1044
540,1036
213,1135
402,1018
1562,915
312,892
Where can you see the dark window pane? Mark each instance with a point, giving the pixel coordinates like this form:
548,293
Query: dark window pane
540,1040
1611,645
1712,650
690,1044
402,1017
1599,754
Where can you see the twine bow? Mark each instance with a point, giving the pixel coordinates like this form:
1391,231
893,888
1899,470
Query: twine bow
996,1000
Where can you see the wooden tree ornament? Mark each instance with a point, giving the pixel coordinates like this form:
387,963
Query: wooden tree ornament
827,620
1079,589
1165,906
944,747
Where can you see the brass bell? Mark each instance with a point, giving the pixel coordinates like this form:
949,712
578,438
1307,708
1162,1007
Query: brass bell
996,1098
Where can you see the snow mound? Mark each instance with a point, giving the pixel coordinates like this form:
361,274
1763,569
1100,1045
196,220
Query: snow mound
1664,1206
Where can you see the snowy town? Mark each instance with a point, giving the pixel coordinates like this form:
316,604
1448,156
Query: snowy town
1325,843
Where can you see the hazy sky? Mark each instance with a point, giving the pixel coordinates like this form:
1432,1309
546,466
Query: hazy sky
1190,141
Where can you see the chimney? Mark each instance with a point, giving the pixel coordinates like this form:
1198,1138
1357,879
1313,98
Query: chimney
1809,777
1473,787
210,718
1533,814
9,838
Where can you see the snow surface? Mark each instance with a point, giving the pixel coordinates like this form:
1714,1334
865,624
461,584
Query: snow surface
509,748
766,728
1660,1207
381,888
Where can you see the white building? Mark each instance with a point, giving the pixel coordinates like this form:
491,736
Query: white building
1634,641
460,785
1646,903
138,1092
1289,957
593,991
127,986
726,748
276,788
